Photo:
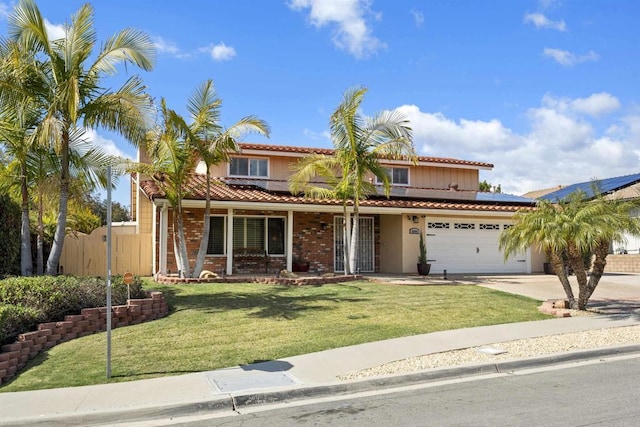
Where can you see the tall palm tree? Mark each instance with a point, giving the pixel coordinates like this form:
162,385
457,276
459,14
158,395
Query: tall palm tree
173,159
70,89
175,148
570,231
215,144
360,143
19,118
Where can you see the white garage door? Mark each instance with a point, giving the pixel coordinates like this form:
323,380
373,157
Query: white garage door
461,246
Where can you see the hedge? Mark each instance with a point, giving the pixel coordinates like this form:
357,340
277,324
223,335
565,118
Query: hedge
27,301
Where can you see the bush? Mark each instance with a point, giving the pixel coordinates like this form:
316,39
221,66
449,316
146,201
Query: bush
49,298
15,319
10,224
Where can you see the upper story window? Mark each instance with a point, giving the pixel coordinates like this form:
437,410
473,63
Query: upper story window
397,176
246,166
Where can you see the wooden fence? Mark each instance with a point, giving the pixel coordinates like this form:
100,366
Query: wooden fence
86,254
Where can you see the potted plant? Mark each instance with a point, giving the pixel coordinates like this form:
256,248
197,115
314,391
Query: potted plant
423,266
299,265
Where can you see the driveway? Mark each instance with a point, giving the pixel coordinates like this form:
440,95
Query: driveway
616,292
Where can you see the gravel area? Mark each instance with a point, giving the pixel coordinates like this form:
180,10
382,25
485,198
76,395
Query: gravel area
512,350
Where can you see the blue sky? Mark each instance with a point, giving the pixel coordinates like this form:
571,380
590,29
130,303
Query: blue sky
547,91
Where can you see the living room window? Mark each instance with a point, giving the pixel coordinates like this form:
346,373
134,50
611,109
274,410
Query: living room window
397,176
248,232
247,166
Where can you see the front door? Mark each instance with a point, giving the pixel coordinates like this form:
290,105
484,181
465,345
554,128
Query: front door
366,247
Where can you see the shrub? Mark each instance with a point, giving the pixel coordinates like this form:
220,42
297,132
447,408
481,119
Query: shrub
15,319
49,298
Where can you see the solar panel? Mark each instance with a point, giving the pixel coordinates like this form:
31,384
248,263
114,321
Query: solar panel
603,185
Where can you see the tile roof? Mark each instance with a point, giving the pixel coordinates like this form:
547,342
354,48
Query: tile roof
272,191
246,146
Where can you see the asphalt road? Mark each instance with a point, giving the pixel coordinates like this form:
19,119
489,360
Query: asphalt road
602,393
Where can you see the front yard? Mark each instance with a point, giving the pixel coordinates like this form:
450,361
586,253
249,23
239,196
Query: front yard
212,326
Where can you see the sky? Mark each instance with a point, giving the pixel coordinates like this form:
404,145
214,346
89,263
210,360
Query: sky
545,90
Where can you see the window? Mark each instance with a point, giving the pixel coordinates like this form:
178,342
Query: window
245,166
397,176
216,236
248,232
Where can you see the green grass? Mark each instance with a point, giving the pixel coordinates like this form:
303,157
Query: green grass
213,326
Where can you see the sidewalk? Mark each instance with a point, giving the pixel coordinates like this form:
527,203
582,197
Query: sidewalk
287,379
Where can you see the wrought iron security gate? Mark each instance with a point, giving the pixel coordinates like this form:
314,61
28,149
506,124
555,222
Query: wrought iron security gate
366,246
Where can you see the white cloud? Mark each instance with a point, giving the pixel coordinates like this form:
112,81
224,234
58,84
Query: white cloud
55,31
597,104
166,46
316,135
567,59
107,145
351,31
559,145
418,17
539,20
222,52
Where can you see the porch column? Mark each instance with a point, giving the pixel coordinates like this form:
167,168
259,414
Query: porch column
289,240
164,237
229,241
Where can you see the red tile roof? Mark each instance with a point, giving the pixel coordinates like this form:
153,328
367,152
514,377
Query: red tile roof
246,146
234,190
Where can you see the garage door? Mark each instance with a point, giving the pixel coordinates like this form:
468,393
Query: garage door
461,246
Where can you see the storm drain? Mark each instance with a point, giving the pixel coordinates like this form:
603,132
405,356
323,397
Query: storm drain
236,380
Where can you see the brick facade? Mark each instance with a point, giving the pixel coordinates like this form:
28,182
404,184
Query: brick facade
313,234
13,357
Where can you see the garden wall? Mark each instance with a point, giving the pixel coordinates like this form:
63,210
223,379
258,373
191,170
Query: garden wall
13,357
627,263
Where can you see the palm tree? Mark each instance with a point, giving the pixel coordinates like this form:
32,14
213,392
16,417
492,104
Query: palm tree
69,88
360,143
215,145
173,159
175,148
572,230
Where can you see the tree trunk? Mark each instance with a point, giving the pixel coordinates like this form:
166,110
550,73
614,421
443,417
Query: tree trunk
40,240
204,242
353,255
182,254
345,241
576,261
58,238
559,268
600,261
26,259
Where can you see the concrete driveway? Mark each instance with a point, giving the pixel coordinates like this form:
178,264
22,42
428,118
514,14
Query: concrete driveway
616,292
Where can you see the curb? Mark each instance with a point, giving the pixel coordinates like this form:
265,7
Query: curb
427,376
230,403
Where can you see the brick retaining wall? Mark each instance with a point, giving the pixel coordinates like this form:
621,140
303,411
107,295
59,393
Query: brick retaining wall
13,357
628,263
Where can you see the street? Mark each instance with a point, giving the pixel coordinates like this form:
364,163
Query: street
600,393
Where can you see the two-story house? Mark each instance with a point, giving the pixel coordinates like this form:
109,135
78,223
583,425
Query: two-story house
253,208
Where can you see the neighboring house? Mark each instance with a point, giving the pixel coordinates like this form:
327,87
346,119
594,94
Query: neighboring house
253,212
619,187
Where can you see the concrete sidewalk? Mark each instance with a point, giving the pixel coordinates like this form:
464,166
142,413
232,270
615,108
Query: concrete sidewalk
281,380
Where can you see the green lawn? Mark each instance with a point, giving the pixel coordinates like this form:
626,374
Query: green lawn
212,326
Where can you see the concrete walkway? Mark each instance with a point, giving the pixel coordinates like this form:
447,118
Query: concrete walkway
305,375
